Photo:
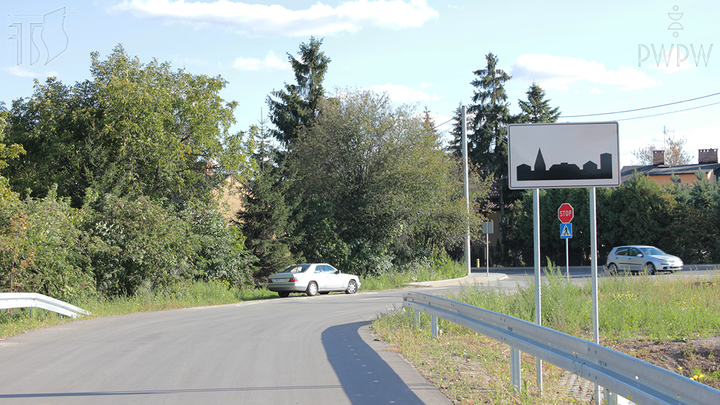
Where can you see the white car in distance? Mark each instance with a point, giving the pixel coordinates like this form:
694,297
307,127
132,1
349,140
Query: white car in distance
312,278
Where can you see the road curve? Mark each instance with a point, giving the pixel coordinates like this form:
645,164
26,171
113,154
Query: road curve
297,350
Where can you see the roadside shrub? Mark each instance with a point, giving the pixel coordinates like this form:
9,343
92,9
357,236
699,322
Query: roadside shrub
221,253
43,249
137,243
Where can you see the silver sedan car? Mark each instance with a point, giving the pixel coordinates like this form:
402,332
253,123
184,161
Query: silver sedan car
312,278
639,258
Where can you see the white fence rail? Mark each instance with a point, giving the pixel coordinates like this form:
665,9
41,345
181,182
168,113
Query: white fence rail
642,382
34,300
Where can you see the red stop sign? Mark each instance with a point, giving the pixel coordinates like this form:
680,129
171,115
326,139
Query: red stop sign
566,213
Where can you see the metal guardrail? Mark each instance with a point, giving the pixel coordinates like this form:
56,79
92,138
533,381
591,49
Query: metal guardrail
34,300
637,380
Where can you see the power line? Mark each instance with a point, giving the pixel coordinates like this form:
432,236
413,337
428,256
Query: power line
439,125
646,108
666,113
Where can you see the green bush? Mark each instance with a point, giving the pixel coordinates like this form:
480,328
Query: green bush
137,242
220,250
43,249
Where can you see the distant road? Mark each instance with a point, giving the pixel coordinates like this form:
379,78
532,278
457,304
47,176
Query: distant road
522,275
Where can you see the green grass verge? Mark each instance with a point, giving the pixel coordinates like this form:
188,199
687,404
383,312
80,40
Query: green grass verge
470,368
416,272
17,321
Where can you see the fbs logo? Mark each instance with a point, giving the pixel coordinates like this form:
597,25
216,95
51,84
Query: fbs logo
38,35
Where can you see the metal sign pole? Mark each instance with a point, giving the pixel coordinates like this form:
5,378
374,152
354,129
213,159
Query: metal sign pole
487,254
467,187
538,281
567,258
593,269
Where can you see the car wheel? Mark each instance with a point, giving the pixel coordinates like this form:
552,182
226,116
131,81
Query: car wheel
612,268
283,294
312,289
352,287
650,268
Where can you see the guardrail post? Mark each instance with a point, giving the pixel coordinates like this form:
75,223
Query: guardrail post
515,369
417,318
434,326
611,398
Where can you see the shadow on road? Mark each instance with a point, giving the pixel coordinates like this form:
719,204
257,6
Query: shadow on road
366,378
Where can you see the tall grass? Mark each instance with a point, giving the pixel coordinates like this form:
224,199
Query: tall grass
628,306
418,271
471,368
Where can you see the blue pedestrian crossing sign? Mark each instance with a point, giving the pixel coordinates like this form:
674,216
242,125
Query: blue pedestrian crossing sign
566,231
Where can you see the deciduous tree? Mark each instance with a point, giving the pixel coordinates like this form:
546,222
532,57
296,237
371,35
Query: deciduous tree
673,148
385,182
135,128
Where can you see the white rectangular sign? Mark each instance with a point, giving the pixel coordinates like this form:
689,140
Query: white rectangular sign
572,155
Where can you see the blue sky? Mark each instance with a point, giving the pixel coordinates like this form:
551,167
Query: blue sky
590,57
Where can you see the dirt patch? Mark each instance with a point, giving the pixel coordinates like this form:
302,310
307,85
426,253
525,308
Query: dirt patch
698,359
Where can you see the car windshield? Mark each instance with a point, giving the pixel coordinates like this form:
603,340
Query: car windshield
652,251
297,268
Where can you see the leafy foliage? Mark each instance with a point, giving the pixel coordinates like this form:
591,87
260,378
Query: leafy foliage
219,252
43,249
376,178
638,212
134,129
679,219
137,150
139,243
7,151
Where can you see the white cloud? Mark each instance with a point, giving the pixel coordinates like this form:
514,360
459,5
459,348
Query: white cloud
270,62
258,19
20,72
558,72
400,93
595,90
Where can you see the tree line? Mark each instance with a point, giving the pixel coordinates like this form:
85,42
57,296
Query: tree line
680,219
110,186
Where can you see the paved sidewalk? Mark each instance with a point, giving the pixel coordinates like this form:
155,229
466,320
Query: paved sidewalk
476,276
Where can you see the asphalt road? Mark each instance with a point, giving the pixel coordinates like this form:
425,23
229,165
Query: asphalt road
297,350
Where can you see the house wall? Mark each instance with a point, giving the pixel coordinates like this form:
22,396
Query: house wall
229,197
684,178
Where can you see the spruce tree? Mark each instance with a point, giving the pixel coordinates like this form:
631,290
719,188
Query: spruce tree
296,106
266,220
487,143
536,109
